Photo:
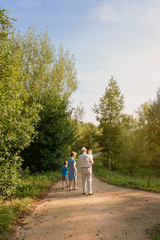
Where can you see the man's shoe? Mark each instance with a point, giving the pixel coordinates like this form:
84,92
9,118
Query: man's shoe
90,193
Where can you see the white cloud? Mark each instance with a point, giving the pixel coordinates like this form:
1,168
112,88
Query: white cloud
108,13
147,11
152,14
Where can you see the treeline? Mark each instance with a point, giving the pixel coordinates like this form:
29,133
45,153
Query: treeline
128,142
36,83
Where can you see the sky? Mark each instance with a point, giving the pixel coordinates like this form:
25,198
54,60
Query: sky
119,38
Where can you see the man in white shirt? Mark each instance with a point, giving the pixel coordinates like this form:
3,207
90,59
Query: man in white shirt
86,170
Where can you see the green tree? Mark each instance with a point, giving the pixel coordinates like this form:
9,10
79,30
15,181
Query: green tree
35,87
130,149
153,131
64,75
109,115
56,133
17,117
45,67
87,133
53,74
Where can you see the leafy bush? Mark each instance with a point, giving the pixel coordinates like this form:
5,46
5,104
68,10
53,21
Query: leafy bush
9,177
18,116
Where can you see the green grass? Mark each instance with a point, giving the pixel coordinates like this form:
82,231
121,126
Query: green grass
143,179
154,233
33,186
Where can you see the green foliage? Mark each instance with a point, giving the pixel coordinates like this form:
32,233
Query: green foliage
64,75
145,136
109,115
141,179
87,134
52,79
9,213
110,108
17,117
10,174
128,141
35,87
132,152
32,186
153,132
46,68
56,133
153,119
5,24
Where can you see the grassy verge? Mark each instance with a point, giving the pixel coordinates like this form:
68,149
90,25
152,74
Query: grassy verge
32,187
141,179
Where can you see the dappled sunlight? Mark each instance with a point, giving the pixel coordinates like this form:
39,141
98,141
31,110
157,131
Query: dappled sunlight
112,212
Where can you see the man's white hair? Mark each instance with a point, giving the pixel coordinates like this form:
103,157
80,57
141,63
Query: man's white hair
83,149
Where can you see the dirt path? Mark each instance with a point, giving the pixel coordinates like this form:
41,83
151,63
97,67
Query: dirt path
111,213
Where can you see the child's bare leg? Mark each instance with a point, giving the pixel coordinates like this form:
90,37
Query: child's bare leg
62,184
67,183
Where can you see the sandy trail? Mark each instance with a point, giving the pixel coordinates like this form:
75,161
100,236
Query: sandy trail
111,213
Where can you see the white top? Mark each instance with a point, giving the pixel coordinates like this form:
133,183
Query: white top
91,155
85,160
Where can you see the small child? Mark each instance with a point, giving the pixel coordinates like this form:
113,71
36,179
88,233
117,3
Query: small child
91,155
65,174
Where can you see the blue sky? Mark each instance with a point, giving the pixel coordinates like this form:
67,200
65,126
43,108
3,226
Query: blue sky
108,37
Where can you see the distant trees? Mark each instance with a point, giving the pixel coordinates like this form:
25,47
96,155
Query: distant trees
128,142
87,136
130,151
109,114
152,131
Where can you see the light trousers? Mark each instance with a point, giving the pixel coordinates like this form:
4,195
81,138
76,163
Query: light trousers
86,178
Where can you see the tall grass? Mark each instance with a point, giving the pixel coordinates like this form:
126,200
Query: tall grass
143,179
32,187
